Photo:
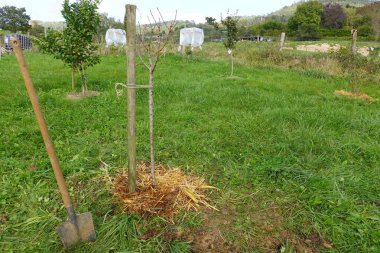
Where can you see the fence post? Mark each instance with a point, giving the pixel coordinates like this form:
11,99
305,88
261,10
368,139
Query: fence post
130,23
1,44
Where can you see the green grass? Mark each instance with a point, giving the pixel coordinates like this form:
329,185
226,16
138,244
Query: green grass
274,138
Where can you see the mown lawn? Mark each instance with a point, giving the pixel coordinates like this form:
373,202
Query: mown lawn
297,167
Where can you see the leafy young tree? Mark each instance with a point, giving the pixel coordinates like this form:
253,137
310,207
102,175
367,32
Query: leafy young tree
333,16
74,45
230,22
306,21
14,19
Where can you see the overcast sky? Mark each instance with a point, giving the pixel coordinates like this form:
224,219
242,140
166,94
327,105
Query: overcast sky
197,10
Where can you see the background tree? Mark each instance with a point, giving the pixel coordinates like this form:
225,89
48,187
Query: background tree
333,16
14,19
37,30
364,26
74,45
373,11
212,21
305,23
272,28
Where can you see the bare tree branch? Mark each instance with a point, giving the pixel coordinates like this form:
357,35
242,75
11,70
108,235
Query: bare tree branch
153,49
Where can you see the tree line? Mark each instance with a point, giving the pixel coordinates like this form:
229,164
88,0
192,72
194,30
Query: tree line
311,21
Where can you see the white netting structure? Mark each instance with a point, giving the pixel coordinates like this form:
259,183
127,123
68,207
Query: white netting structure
191,36
115,37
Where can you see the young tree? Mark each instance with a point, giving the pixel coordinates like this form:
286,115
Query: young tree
14,19
333,16
230,22
152,43
74,45
306,21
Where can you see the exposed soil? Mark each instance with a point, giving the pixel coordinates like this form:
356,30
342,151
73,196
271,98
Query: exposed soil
3,218
234,77
357,95
212,236
218,232
32,167
80,95
324,48
271,236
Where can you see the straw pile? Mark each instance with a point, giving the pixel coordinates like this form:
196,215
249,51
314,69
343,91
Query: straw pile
175,191
353,95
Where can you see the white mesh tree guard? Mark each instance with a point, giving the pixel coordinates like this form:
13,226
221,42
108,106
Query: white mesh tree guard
116,37
191,36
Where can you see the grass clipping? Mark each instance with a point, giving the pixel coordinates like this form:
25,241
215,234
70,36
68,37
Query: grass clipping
175,191
357,95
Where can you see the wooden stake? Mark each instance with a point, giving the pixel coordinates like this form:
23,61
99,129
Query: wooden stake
130,22
1,44
354,34
282,41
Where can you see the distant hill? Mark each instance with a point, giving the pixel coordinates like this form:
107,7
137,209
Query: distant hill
288,11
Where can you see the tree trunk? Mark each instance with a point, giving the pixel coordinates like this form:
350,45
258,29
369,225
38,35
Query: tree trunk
232,63
83,78
73,80
151,129
282,41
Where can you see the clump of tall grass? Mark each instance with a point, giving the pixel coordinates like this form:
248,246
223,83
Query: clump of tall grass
111,50
320,65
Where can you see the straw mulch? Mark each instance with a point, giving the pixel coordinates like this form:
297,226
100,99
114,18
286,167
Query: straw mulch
353,95
175,191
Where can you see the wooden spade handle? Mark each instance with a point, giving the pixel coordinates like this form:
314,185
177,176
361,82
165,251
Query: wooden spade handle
41,122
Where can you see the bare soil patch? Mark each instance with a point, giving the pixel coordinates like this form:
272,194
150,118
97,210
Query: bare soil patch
3,218
80,95
266,234
324,48
219,234
234,77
